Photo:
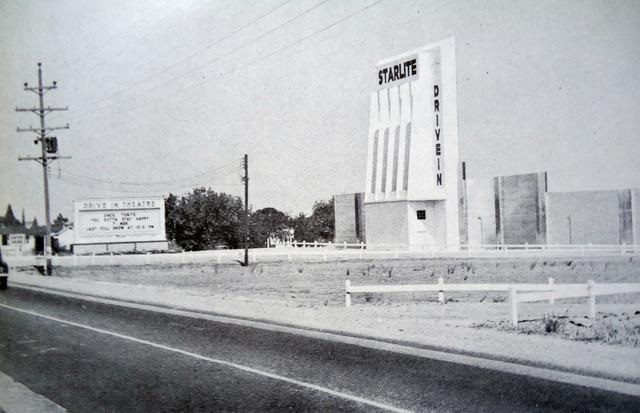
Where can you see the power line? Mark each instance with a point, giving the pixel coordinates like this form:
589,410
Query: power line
260,58
176,184
126,31
199,51
217,58
174,188
232,166
355,44
94,51
347,17
319,57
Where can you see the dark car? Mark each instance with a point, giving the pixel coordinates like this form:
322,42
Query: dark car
4,270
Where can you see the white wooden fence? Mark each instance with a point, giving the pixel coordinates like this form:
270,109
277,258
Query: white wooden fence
329,252
484,249
518,293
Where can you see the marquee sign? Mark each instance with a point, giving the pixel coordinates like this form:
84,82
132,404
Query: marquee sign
132,219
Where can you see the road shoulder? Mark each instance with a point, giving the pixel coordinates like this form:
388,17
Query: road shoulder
17,398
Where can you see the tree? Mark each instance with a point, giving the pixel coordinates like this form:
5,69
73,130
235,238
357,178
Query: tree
10,218
265,223
59,223
205,219
300,225
322,221
171,216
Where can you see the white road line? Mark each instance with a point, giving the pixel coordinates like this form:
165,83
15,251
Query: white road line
521,369
217,361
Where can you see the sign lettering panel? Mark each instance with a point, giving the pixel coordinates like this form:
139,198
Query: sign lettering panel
118,220
398,72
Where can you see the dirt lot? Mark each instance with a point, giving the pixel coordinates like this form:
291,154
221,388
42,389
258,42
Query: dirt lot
311,284
319,284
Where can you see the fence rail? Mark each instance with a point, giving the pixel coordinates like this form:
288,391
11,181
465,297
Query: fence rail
330,251
518,293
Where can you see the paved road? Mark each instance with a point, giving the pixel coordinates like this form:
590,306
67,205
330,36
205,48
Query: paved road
134,360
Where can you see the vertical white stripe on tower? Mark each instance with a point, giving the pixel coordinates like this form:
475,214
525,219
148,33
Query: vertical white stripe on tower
403,149
394,122
374,120
383,131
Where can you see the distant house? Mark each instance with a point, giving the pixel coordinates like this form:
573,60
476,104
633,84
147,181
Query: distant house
17,237
64,238
17,240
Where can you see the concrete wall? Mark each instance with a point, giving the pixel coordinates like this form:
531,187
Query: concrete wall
520,208
387,223
361,218
463,208
597,217
481,212
430,231
625,216
635,214
349,218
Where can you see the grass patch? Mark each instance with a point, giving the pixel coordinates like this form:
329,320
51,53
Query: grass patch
619,329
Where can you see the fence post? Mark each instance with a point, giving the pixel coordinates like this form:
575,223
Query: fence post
344,245
347,293
592,299
315,244
304,244
513,303
93,258
441,290
552,293
289,256
111,258
148,258
526,246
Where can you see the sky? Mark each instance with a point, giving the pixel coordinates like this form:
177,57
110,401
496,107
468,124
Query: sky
164,96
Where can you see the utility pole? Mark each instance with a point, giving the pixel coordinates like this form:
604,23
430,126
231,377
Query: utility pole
246,209
49,151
